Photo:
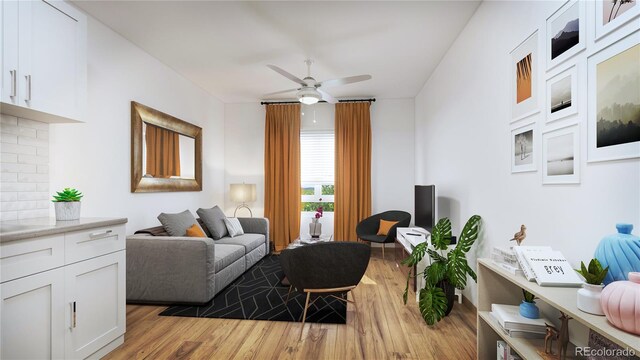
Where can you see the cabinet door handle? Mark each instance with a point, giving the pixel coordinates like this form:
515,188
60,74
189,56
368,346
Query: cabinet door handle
28,77
13,83
96,234
72,305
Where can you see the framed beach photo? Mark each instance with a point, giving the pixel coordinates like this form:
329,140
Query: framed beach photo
524,78
566,32
562,95
561,156
614,112
611,15
523,146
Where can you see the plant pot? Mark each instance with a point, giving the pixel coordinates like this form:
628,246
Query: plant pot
66,211
315,228
589,299
529,310
450,293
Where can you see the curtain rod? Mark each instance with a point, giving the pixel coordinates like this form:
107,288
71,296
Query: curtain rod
321,101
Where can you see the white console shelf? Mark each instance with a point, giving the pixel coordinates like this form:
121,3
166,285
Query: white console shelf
497,286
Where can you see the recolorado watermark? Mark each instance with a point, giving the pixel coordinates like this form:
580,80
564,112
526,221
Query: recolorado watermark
589,351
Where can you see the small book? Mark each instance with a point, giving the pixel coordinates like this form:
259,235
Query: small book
552,269
502,350
527,334
513,270
522,252
510,319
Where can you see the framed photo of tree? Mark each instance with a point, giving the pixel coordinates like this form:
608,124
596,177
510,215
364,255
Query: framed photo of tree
523,146
614,106
524,78
611,15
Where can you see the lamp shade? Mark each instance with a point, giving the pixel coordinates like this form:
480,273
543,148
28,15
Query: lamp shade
243,192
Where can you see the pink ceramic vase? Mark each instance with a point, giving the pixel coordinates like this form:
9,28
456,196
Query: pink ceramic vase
620,302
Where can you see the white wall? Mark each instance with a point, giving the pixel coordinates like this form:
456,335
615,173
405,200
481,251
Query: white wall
95,157
463,146
392,175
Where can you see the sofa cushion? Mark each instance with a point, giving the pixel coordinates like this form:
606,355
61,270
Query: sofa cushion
214,221
248,241
226,254
177,224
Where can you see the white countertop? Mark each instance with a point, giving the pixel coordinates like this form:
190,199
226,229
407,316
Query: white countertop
28,228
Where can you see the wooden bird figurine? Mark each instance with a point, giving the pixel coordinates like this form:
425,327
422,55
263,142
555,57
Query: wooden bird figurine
520,235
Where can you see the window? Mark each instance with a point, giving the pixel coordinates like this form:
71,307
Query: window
317,150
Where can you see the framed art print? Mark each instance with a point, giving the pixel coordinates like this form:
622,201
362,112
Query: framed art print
523,148
611,15
562,95
561,156
566,32
524,78
613,116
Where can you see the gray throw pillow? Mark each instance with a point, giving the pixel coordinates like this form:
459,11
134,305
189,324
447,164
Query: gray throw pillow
234,227
177,224
214,221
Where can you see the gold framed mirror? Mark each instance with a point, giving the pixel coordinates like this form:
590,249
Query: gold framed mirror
166,152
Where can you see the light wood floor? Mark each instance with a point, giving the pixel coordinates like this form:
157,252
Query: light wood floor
392,330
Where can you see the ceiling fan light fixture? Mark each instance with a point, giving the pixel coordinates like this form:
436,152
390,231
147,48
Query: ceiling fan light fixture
309,96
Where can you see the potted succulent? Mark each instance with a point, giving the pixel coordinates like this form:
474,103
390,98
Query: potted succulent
528,307
589,295
67,204
447,270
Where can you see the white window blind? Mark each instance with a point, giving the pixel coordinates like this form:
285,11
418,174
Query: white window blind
317,152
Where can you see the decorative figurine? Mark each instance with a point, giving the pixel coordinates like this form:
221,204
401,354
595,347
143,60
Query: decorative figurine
552,334
520,235
563,337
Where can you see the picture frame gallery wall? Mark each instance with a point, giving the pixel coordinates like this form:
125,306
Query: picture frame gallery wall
585,59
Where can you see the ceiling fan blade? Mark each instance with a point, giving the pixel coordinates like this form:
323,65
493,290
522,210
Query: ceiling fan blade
326,97
287,75
344,81
280,92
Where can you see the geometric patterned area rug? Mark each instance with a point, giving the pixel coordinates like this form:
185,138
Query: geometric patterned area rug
259,295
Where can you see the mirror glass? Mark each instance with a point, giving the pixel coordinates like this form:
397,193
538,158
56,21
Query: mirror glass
167,154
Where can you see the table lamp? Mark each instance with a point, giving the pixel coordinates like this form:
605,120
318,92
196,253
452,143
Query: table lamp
243,193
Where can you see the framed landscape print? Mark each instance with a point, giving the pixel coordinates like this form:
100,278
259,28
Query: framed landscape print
566,32
610,15
614,109
561,156
523,145
524,78
562,95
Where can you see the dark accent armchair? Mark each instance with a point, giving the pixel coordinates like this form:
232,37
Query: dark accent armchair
368,228
327,269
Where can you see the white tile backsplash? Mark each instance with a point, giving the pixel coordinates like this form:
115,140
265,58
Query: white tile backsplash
24,168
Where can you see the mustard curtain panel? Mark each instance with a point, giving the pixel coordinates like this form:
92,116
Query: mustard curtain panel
353,168
282,173
163,152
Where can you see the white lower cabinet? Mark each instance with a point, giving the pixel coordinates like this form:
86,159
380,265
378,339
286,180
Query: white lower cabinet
96,290
71,310
32,320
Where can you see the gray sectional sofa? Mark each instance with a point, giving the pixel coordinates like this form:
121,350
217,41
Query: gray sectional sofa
163,269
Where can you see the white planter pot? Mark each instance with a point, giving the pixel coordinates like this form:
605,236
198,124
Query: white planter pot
589,299
315,228
67,210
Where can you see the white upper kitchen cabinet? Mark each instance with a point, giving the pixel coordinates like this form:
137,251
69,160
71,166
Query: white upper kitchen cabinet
44,68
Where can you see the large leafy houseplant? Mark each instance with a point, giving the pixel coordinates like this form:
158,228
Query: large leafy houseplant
444,269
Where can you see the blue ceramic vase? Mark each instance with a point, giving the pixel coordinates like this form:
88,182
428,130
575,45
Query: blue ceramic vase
620,252
529,310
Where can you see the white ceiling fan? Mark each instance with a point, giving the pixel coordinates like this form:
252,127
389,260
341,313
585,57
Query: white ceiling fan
310,91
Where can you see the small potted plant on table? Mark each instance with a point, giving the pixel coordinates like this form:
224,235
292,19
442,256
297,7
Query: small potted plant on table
589,295
528,307
67,204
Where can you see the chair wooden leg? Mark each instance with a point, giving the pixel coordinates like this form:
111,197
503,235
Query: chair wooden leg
358,320
288,294
382,251
304,315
